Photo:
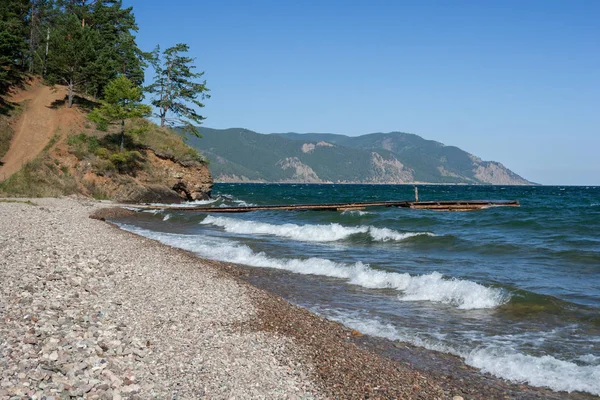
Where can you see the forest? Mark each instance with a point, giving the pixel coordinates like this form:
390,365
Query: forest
87,44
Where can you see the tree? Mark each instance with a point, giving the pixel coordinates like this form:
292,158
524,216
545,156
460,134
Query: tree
174,88
117,52
43,16
13,44
73,54
122,101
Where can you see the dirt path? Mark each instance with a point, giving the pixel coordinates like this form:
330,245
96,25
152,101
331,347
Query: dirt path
34,128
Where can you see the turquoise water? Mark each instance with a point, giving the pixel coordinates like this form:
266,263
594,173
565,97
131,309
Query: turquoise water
513,291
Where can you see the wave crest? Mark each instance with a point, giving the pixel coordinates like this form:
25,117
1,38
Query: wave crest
544,371
431,287
308,233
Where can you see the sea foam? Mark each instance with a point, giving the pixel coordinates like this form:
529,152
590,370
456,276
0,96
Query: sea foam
431,287
308,233
544,371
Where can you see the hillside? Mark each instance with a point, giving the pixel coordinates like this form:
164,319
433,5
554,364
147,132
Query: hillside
241,155
54,150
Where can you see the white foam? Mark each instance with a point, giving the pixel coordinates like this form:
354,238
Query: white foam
242,203
154,212
464,294
167,217
308,233
194,203
590,359
360,213
431,287
545,371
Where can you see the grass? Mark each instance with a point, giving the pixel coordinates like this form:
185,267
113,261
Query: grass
39,178
53,140
6,132
163,141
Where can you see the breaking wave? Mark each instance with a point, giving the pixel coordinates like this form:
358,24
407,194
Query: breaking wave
308,233
433,287
544,371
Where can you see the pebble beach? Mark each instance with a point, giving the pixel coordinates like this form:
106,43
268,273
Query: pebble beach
88,311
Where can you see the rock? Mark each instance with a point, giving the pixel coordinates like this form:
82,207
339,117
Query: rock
130,389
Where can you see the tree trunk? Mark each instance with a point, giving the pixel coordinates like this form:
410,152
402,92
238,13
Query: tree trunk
46,54
122,135
70,93
163,115
31,44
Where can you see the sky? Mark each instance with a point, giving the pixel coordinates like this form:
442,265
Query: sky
511,81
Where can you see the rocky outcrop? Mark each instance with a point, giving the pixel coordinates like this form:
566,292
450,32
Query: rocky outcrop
302,172
389,170
190,180
308,147
162,180
495,173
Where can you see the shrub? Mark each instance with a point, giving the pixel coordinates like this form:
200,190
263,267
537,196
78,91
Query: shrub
163,141
103,153
103,167
127,162
82,145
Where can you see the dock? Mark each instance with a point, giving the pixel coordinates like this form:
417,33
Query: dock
466,205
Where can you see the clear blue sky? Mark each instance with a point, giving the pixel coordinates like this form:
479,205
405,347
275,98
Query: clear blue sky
510,81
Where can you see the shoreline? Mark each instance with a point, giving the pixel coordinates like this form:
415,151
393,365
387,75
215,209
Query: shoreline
183,319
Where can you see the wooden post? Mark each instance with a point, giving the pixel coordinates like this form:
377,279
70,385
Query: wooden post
416,194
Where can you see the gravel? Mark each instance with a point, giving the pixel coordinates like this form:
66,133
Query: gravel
88,311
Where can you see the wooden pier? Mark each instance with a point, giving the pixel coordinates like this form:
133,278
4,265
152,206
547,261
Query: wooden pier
466,205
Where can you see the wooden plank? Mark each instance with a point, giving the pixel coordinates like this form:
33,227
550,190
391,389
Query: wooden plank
427,205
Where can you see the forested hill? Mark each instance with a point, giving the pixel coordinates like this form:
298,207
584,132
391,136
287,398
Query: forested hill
241,155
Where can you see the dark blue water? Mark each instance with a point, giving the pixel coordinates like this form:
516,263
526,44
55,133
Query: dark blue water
514,291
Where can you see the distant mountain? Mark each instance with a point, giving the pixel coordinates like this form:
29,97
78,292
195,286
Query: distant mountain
241,155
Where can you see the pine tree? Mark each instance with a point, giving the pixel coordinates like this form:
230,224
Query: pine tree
73,53
117,52
43,16
174,88
122,101
13,45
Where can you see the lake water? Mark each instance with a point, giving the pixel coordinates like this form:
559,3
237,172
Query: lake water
513,291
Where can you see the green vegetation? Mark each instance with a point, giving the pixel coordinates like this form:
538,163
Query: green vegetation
104,153
166,144
13,45
83,45
121,102
126,162
90,47
174,88
53,140
6,132
81,145
40,177
401,157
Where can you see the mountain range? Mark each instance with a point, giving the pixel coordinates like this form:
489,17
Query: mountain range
241,155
